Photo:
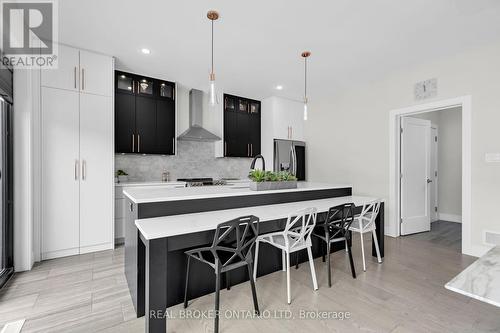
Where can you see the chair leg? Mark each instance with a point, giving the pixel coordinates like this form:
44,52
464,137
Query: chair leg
323,246
187,281
283,260
346,246
228,281
217,296
375,239
254,292
289,299
351,262
328,264
363,250
313,271
255,261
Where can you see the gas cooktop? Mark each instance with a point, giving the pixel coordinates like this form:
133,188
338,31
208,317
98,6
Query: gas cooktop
190,182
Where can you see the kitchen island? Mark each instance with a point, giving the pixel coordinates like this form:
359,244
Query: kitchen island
161,224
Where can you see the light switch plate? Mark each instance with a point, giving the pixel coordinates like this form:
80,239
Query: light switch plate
492,157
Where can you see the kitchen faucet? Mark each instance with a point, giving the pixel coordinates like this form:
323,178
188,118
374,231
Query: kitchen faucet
252,166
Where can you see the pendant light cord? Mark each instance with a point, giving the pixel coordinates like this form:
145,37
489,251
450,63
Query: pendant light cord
305,78
212,46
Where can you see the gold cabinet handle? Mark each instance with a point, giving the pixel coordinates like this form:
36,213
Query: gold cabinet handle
74,76
138,143
77,167
225,148
84,170
83,78
251,149
133,143
173,145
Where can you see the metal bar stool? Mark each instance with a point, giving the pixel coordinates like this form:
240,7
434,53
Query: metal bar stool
336,229
231,249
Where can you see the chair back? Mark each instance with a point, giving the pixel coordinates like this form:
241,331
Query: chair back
369,213
338,220
233,240
299,227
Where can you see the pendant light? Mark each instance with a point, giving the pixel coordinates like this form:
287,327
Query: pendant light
305,55
212,16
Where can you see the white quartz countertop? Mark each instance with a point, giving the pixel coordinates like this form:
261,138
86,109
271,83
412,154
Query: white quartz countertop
161,194
149,183
167,226
481,280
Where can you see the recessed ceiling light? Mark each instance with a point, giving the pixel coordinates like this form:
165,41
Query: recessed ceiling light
122,76
279,87
146,51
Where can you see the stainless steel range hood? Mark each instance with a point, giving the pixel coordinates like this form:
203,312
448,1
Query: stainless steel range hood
196,132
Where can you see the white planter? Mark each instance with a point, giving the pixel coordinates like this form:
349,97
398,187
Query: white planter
267,186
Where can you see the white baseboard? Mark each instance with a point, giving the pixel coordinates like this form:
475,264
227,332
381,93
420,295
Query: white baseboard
96,248
450,217
60,253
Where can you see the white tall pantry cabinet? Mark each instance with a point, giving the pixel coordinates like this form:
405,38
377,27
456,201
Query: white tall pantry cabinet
77,131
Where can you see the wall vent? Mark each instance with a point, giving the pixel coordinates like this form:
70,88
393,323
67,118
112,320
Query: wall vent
491,237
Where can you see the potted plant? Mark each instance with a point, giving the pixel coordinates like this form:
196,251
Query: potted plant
122,176
268,180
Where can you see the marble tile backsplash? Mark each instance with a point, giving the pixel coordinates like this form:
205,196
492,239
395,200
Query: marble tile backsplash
194,159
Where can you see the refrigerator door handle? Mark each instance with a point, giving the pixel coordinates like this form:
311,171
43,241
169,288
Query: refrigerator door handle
294,161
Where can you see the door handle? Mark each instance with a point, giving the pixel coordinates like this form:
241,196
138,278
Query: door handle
138,143
429,181
77,167
84,170
74,76
133,143
83,78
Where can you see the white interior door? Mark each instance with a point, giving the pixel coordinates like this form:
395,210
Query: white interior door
96,184
60,173
433,187
415,171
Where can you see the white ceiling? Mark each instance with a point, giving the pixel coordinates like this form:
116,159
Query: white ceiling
258,43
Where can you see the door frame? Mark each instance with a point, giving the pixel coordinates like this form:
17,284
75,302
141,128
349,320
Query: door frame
436,178
465,102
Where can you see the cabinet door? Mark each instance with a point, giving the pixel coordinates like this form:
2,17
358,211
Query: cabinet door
254,134
145,124
125,140
96,181
66,76
60,173
231,139
165,126
96,73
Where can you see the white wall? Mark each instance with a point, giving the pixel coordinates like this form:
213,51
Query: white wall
23,203
449,124
349,131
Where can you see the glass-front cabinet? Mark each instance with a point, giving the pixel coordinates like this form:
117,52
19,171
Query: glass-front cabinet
144,115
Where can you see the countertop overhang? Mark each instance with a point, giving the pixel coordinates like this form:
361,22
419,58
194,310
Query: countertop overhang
148,194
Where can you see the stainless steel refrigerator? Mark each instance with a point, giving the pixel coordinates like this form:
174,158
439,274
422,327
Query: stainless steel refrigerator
290,156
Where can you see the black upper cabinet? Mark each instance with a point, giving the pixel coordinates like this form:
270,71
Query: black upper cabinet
241,127
144,115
